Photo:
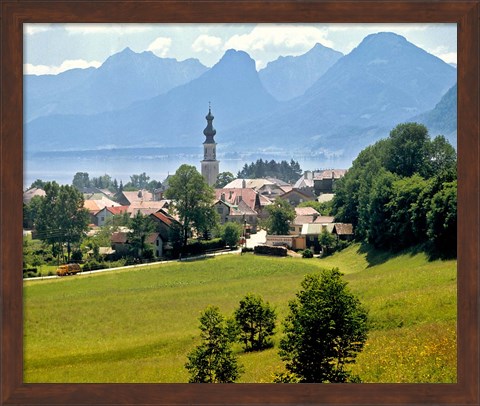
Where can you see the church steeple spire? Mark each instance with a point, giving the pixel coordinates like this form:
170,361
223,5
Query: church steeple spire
209,131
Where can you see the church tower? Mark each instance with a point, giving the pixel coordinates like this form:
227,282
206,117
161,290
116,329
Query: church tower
210,165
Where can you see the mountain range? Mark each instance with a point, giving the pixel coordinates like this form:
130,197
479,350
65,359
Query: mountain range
340,103
124,78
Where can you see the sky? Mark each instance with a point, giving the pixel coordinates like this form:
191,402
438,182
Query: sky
55,48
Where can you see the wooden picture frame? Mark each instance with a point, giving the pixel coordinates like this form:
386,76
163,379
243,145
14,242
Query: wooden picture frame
16,12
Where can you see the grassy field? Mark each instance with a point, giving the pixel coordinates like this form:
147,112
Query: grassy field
138,325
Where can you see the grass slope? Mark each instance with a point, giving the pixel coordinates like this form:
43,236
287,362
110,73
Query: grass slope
138,325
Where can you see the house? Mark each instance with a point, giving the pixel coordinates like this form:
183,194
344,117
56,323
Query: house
296,196
31,193
294,242
108,212
95,205
126,198
312,233
303,215
236,195
321,181
164,222
240,213
147,207
324,220
343,231
121,244
265,187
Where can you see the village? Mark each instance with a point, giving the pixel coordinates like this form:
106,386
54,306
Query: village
242,201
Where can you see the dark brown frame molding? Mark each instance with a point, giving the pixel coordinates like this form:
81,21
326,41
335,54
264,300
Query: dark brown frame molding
16,12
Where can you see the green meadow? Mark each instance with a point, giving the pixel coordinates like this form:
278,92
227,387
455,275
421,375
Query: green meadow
138,325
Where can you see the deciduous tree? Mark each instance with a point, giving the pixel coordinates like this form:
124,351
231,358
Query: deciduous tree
256,321
62,220
324,331
213,360
280,215
192,198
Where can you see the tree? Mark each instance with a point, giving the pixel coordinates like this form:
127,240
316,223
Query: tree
138,182
288,172
256,322
40,184
30,212
442,157
81,180
223,179
192,198
442,220
102,182
213,361
231,234
401,223
327,242
324,331
142,226
280,215
408,150
62,220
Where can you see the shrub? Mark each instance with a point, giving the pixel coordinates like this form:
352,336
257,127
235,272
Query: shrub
270,250
307,253
94,265
231,234
30,272
76,256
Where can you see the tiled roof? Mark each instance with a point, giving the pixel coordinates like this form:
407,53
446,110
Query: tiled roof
165,218
119,237
329,174
324,220
343,228
316,229
30,193
138,196
99,204
117,209
306,211
304,220
234,196
122,238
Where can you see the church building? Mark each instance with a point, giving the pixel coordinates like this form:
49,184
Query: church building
210,165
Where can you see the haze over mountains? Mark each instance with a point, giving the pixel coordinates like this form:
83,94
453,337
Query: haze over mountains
332,105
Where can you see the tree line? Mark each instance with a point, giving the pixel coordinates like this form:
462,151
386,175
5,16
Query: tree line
401,192
289,172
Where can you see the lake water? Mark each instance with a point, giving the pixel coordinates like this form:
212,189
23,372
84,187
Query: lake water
120,165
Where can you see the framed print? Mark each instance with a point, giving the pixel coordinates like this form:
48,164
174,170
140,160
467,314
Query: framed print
18,384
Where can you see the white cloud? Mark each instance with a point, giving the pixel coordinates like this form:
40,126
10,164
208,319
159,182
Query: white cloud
449,57
160,46
207,43
30,69
32,29
281,39
96,28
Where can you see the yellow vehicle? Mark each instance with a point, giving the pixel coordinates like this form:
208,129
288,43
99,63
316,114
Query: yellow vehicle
68,269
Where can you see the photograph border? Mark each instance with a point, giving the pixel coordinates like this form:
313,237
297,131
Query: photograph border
14,13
